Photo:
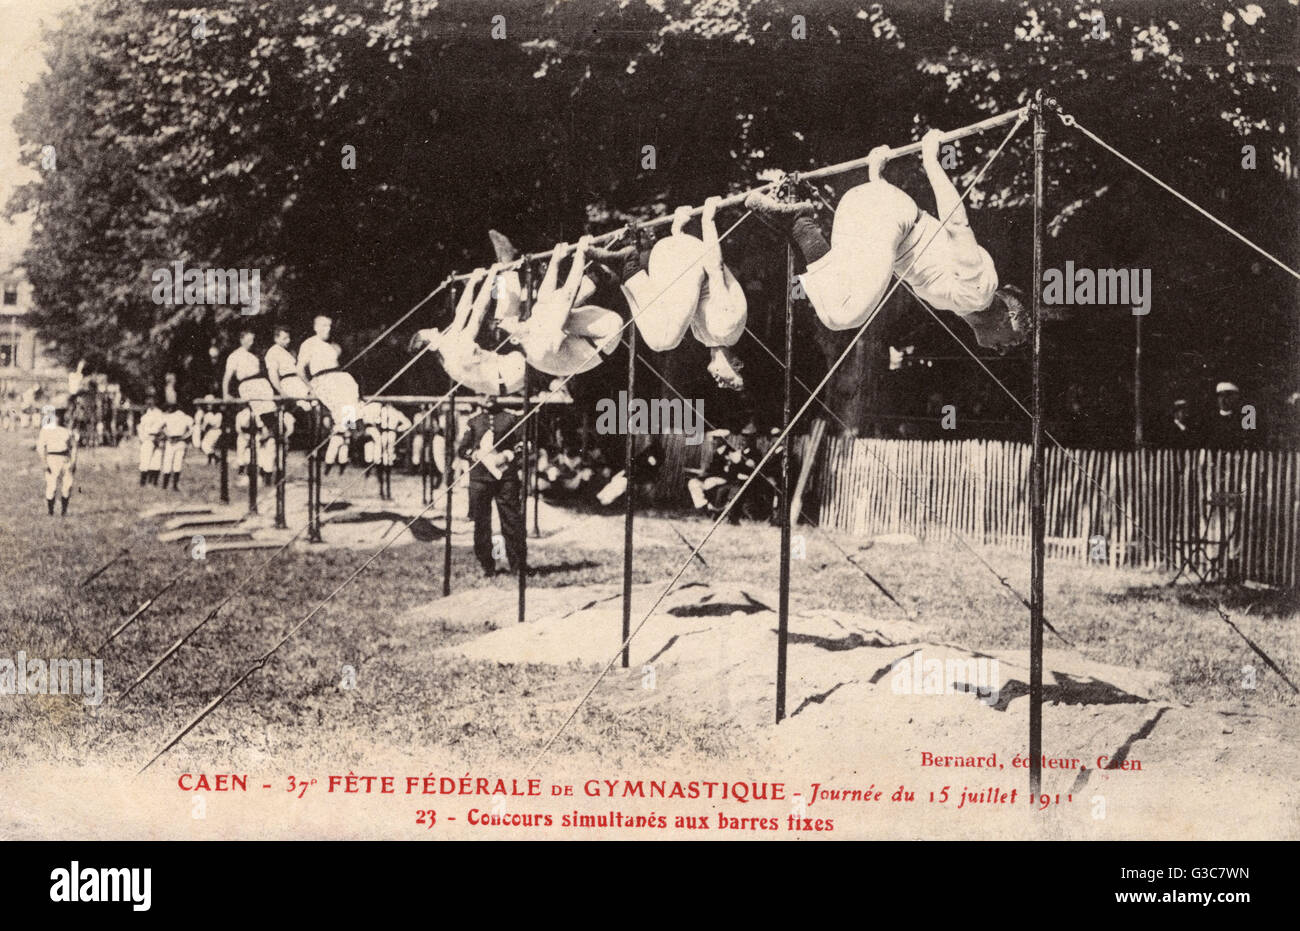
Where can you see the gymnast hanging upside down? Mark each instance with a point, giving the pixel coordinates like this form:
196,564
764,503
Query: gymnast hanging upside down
879,231
463,359
562,336
685,284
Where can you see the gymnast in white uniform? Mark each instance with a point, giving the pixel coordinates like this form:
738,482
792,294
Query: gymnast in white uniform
318,367
244,369
879,232
563,336
685,285
282,369
463,359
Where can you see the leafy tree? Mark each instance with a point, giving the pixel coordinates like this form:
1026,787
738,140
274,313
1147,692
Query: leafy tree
224,146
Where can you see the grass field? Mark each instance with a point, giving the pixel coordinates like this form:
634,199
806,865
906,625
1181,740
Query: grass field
409,697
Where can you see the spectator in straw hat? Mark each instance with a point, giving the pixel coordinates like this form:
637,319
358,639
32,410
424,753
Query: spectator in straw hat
1227,428
1181,432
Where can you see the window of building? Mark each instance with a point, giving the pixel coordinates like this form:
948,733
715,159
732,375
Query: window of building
8,354
11,297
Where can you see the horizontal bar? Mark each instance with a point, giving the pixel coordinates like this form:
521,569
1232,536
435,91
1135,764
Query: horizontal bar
912,148
466,400
735,200
462,400
219,402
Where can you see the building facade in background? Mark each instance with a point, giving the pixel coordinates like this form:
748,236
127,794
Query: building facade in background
24,363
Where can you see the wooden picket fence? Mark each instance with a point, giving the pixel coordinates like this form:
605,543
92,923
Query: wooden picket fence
1210,514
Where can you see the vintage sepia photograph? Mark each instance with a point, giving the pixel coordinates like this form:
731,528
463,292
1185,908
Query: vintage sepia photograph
650,420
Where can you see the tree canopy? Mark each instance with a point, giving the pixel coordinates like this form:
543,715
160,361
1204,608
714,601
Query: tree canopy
217,135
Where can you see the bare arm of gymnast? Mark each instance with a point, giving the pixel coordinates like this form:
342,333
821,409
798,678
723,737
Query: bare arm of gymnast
946,198
553,304
574,281
230,373
481,302
465,304
712,256
302,363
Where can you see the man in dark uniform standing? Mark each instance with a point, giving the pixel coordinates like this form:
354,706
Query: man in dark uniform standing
496,453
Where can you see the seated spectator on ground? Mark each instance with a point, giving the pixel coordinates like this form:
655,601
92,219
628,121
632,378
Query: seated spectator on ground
710,477
566,473
645,470
759,500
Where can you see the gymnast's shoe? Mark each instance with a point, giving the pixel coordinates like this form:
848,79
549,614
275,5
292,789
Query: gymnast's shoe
769,208
615,252
614,258
504,248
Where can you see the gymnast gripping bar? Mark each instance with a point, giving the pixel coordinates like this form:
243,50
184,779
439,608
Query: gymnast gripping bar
735,200
913,148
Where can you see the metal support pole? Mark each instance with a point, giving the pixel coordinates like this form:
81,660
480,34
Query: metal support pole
523,466
449,461
537,497
383,435
224,443
425,439
388,453
310,425
320,469
253,476
281,465
1137,381
629,452
523,515
1037,517
783,604
314,475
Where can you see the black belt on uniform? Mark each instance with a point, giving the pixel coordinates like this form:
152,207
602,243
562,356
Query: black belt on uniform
326,372
50,452
240,381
